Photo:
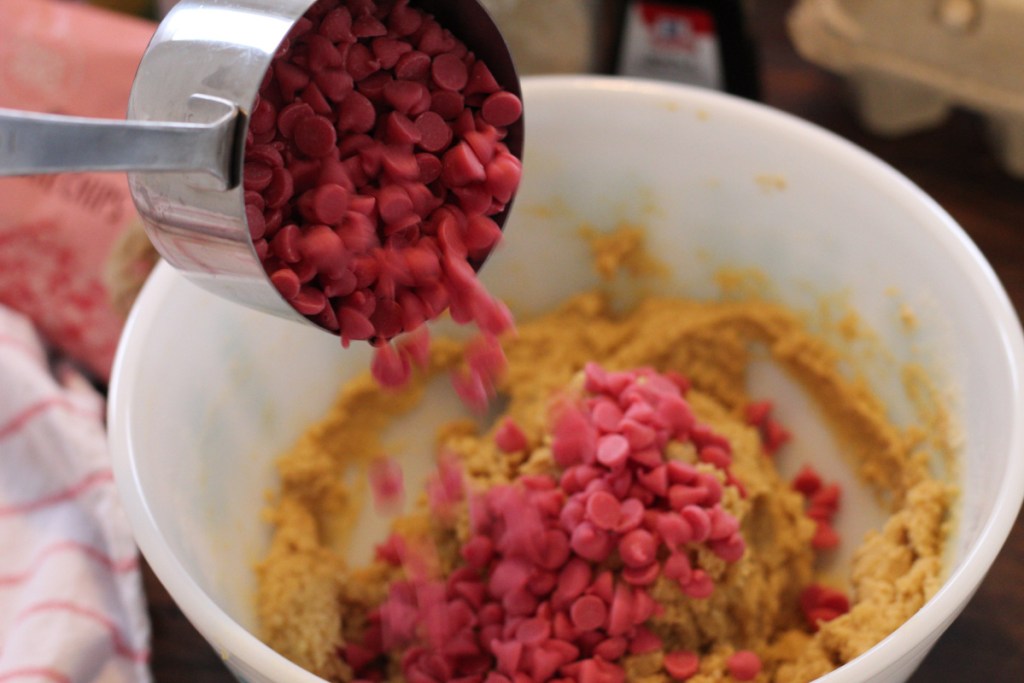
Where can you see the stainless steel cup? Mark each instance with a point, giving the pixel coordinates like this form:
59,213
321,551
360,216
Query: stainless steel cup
183,142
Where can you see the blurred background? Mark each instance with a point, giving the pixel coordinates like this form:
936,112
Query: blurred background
933,87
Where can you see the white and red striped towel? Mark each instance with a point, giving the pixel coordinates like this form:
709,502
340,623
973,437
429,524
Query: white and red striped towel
72,608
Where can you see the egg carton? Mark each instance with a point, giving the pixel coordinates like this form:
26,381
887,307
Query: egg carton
909,62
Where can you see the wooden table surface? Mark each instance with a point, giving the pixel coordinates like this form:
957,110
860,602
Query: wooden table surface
953,163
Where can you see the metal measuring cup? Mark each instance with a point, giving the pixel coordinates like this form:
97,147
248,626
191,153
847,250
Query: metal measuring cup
183,143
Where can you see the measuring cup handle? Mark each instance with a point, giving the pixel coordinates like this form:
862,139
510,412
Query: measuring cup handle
33,143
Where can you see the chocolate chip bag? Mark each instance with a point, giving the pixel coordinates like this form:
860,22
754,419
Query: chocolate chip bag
69,242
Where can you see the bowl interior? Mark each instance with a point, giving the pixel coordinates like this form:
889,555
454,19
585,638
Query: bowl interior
206,393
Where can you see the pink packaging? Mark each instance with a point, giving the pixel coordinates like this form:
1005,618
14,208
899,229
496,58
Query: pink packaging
58,233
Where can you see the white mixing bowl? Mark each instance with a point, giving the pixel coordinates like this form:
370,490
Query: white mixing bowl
205,393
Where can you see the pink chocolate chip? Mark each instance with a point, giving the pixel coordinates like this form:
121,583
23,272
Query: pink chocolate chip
673,529
603,510
572,437
606,415
315,136
481,80
730,549
655,479
309,301
356,114
354,324
744,665
389,50
263,118
546,659
591,543
555,549
612,450
510,437
416,346
327,203
620,616
447,104
413,65
336,25
285,244
286,282
389,367
603,586
334,84
507,655
572,581
681,665
449,72
408,97
723,524
632,515
533,631
716,456
700,585
477,551
641,576
394,203
681,472
502,109
434,133
644,641
682,495
699,521
611,649
460,166
588,613
386,481
678,567
257,223
323,250
257,176
290,79
638,548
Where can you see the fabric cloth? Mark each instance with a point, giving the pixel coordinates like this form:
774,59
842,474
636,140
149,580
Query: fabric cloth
72,607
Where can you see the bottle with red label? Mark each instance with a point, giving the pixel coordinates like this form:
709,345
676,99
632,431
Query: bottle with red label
700,42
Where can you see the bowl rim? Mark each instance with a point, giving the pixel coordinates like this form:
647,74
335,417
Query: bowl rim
920,630
230,639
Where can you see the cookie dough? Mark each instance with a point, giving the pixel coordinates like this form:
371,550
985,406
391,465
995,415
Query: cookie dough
315,607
